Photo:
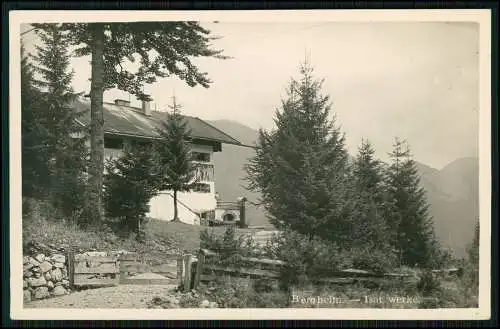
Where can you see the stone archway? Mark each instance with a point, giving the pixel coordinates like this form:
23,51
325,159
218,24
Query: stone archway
228,217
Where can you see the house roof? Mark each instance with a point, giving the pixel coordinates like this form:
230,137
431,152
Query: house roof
128,120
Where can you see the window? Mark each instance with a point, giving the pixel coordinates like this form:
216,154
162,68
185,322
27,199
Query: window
201,188
201,156
113,143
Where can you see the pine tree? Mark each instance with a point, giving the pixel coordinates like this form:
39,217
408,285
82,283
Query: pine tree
129,185
35,157
301,167
67,154
370,225
161,47
473,250
176,171
412,226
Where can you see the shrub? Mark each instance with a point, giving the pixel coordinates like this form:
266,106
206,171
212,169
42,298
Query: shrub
230,246
371,258
129,186
310,258
233,292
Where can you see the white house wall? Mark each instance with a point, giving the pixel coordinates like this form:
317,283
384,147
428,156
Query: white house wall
162,206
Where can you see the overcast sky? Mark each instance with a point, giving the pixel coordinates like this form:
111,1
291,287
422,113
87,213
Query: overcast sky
417,81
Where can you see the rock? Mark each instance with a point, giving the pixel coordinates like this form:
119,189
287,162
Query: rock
59,265
40,257
25,284
27,296
95,254
64,272
27,274
26,260
37,282
58,258
34,262
41,292
213,305
65,283
27,266
58,284
59,291
56,275
204,304
36,269
48,276
45,266
50,285
38,275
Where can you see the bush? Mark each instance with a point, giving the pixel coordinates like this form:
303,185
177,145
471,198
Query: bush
311,258
230,246
233,292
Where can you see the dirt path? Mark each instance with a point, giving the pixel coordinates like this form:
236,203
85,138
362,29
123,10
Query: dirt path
122,296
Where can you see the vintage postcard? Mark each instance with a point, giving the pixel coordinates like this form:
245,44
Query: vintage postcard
250,165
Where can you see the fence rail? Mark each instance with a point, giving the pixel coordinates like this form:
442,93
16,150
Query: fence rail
271,268
187,271
125,269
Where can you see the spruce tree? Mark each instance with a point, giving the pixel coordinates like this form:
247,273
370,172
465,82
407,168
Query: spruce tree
164,49
129,185
370,226
300,168
176,171
408,211
473,249
34,144
67,152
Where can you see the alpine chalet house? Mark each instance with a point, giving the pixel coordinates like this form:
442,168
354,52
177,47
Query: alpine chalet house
124,123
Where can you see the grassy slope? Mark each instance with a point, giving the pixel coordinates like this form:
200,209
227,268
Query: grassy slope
161,237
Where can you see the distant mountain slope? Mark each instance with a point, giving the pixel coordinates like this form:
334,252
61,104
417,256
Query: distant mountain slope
452,192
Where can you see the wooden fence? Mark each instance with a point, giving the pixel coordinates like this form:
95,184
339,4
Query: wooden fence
131,268
187,271
93,271
149,270
254,268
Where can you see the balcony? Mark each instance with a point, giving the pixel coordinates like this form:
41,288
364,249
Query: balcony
204,172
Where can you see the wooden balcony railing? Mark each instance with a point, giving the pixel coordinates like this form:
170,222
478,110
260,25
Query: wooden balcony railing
204,172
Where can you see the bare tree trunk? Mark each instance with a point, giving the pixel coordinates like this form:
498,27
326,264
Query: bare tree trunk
176,214
96,125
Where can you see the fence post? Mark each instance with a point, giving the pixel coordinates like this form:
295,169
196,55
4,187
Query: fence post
199,269
187,272
180,274
242,212
71,269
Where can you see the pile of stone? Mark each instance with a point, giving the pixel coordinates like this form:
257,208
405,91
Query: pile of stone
45,276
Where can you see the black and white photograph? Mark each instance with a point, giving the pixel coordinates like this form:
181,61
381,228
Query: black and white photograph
250,165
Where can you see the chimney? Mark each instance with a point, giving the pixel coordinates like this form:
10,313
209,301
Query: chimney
146,105
122,102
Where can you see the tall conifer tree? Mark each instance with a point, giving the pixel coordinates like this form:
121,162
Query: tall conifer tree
370,226
65,144
301,167
176,171
408,215
34,135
